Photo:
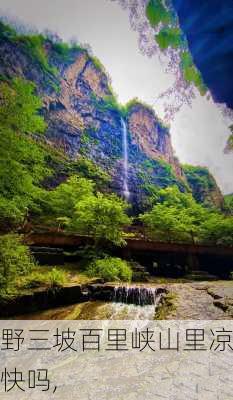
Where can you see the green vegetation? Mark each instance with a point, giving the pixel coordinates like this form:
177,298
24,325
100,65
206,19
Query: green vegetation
158,173
35,47
19,107
166,307
88,169
110,269
228,204
229,146
39,277
201,182
66,51
46,277
77,206
98,64
217,229
7,32
63,199
102,216
40,184
108,103
169,37
111,103
57,277
33,44
191,73
176,217
22,161
156,12
15,261
230,142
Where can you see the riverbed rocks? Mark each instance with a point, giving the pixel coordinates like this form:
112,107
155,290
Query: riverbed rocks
201,301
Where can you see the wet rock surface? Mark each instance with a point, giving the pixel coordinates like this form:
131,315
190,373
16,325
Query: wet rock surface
191,301
202,301
223,298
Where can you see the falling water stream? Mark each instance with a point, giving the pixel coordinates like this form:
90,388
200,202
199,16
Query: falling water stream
135,302
125,159
126,303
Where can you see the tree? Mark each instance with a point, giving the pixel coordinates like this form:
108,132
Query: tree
20,106
175,217
171,223
77,206
22,161
102,216
217,229
62,200
228,204
15,260
88,169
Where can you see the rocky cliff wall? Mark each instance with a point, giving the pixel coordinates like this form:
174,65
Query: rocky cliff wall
84,118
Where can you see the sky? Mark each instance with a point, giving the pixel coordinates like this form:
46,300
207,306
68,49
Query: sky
199,133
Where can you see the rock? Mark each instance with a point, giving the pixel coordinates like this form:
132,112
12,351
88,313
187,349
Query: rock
83,117
221,304
203,185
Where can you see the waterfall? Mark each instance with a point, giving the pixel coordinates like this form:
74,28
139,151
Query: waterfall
139,296
125,159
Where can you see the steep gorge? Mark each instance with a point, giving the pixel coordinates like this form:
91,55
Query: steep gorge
85,119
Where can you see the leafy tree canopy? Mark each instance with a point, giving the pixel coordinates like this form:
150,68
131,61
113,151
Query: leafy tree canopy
103,216
22,161
15,260
77,206
177,216
62,200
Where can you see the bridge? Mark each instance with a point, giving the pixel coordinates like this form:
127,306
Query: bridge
60,239
214,259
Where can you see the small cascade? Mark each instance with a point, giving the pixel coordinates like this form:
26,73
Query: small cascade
125,159
139,296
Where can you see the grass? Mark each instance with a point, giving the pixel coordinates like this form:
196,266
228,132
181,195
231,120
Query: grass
50,276
34,45
65,50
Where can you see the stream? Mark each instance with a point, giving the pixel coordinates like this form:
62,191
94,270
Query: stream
127,303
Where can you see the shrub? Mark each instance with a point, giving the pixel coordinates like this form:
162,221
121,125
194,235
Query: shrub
34,280
57,277
53,278
110,268
15,259
35,47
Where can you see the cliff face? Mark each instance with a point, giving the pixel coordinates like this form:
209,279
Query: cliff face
151,136
203,185
84,118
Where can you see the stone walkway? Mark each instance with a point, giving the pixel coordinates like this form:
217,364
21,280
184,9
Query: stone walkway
201,301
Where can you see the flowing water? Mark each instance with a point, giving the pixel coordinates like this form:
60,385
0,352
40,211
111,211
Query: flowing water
125,160
128,303
135,303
